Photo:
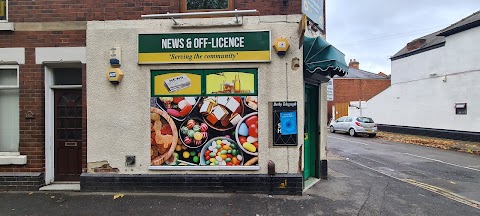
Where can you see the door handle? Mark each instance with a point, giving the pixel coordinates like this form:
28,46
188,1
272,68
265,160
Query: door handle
306,136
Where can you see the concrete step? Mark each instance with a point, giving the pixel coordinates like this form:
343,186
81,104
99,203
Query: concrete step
62,186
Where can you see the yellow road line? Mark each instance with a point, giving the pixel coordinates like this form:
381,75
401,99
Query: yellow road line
445,193
431,188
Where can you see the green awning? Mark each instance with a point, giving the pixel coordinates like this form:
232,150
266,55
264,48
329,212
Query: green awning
322,58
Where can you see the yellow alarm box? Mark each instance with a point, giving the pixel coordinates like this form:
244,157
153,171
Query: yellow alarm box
281,46
115,75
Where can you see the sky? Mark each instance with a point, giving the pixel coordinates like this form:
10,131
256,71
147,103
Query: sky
371,31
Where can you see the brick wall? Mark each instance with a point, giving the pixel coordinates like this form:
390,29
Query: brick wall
32,93
346,90
32,96
21,181
86,10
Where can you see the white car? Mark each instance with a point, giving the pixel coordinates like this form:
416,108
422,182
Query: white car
354,125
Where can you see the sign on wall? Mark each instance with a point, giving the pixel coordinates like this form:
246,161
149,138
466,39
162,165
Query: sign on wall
285,128
330,90
314,11
204,47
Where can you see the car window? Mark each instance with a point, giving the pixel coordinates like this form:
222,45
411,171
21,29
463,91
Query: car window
365,120
342,119
348,119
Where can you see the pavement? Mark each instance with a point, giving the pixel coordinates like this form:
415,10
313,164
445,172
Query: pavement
353,188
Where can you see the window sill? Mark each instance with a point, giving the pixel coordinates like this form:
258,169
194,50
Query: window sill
206,168
12,158
7,26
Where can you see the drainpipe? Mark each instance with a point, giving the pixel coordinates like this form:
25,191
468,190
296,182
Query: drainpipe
322,136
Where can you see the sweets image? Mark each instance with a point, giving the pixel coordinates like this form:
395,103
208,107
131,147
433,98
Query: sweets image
177,107
186,156
246,134
252,102
221,151
163,136
222,113
193,133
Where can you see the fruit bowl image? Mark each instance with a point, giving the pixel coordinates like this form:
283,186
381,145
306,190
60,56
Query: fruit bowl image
246,134
221,151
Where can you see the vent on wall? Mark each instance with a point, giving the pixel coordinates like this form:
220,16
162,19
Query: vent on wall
461,108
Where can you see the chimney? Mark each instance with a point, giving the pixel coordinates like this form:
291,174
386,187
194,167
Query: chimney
354,64
415,44
383,74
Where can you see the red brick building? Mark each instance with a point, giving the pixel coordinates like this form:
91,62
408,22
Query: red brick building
356,85
43,79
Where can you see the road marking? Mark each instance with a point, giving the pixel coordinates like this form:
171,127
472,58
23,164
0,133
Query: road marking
445,193
350,141
439,161
431,188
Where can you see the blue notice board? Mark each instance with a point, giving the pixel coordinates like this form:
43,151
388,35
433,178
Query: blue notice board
288,123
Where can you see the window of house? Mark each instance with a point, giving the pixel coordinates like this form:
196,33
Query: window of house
67,76
461,108
9,109
3,10
206,5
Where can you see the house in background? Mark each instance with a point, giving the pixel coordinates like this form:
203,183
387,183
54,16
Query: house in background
357,85
435,85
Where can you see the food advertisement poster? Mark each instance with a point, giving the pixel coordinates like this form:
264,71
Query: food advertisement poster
178,83
248,46
230,83
218,126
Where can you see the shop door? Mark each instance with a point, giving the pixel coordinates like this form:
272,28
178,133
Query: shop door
311,132
68,135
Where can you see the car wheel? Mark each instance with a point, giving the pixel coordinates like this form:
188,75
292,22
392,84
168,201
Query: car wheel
332,129
352,132
372,135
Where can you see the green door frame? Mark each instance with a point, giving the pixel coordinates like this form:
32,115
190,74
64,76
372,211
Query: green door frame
311,143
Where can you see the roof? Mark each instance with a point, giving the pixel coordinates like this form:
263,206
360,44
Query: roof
437,39
361,74
466,23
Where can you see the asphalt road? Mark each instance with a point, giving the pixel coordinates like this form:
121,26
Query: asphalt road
455,175
372,181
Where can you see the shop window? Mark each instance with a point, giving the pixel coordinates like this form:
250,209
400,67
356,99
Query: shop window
9,109
204,119
3,10
206,5
461,108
